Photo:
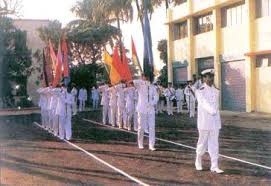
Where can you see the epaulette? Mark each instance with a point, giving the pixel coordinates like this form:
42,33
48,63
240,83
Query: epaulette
202,88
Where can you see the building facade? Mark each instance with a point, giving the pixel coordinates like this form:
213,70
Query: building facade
34,43
231,36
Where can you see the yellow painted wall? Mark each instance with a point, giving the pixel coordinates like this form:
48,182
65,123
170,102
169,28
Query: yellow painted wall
180,49
179,11
204,45
263,89
234,40
203,5
263,33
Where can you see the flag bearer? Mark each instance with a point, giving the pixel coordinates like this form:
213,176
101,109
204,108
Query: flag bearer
69,101
209,123
120,103
113,105
130,104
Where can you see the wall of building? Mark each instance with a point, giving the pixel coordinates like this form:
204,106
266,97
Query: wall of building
233,47
34,43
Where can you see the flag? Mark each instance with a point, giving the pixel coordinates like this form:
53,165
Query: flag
148,55
45,67
64,48
127,74
58,73
135,56
53,56
114,76
117,63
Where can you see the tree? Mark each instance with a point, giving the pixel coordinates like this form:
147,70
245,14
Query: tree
10,7
15,63
162,48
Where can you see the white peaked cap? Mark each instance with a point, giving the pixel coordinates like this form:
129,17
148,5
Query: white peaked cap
207,71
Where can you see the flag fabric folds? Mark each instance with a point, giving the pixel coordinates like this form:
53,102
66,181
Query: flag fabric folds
52,55
135,56
126,71
64,48
114,75
148,54
58,71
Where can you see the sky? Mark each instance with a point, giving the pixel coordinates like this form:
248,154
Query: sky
60,10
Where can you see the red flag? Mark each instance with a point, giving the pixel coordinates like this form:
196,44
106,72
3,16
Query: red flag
52,55
126,70
64,47
117,63
58,74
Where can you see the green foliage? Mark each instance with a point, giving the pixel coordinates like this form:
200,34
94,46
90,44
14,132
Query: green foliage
51,32
162,48
15,61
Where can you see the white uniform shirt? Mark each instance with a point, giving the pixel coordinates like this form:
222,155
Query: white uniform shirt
208,108
105,94
179,94
82,94
69,100
61,108
169,93
147,97
74,92
120,95
112,97
130,98
95,94
189,95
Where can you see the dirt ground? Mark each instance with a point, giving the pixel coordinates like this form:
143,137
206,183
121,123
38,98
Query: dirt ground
31,156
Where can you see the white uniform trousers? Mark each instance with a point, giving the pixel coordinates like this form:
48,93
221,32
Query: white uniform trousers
65,127
191,108
179,106
161,106
120,116
82,105
46,119
169,107
113,117
124,118
129,119
74,107
43,117
144,120
209,139
95,103
56,124
135,121
51,119
105,114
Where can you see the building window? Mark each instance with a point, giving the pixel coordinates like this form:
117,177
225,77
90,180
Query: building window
263,8
263,61
204,23
233,15
180,30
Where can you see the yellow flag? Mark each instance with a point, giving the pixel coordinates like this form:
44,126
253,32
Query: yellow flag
113,73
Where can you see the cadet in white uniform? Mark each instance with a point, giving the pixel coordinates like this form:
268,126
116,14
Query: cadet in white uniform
69,100
147,99
61,111
120,103
104,89
56,95
42,105
130,104
95,96
170,96
74,93
113,105
190,99
82,99
162,98
209,123
180,99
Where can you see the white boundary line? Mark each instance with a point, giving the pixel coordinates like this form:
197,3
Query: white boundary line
99,160
182,145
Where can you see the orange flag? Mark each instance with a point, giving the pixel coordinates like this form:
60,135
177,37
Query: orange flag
113,73
64,47
58,72
117,63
